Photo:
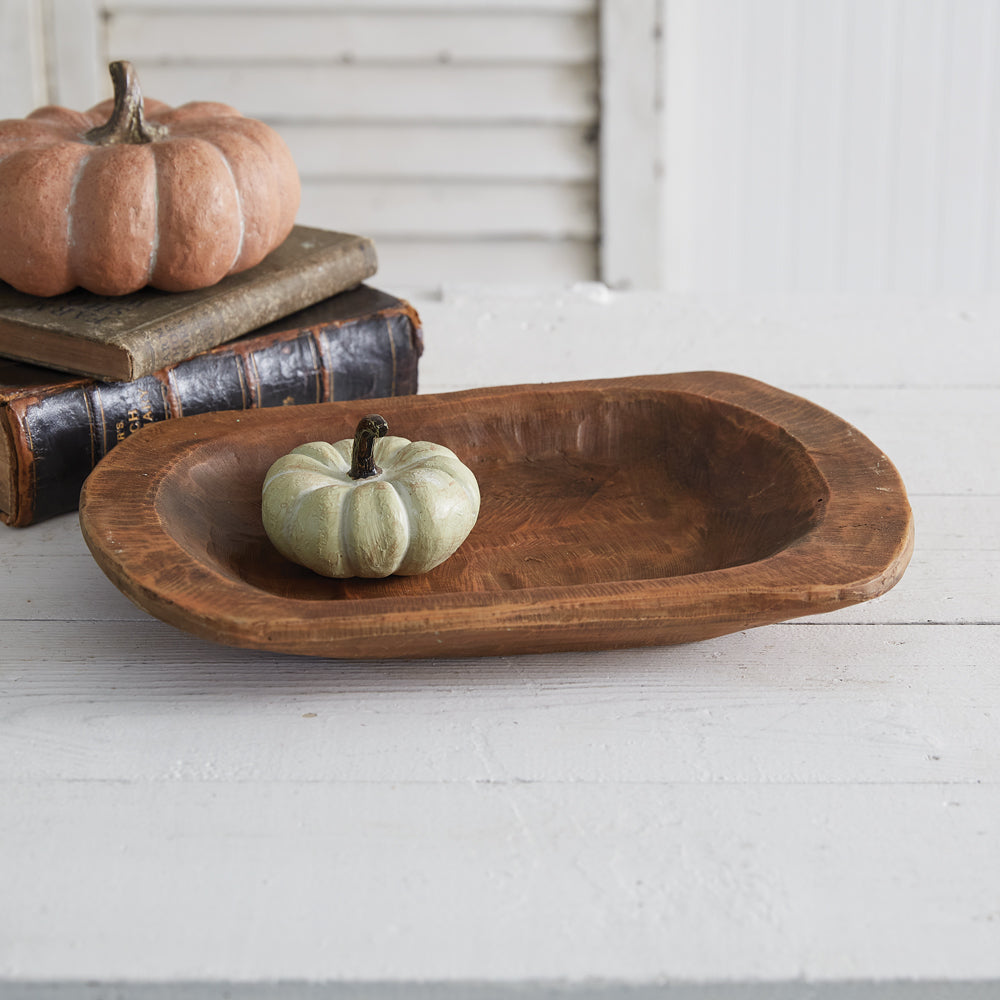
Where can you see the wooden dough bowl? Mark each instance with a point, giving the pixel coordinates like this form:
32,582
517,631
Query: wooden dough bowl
617,512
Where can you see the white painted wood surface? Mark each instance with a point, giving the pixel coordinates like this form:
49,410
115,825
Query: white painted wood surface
809,810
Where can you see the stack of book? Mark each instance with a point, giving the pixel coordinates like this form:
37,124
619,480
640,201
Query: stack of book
81,372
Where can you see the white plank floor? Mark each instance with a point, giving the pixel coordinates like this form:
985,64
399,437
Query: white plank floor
806,810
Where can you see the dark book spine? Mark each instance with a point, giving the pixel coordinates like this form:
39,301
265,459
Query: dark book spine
59,437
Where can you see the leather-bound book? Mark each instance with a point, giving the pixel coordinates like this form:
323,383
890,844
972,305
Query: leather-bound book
54,428
120,338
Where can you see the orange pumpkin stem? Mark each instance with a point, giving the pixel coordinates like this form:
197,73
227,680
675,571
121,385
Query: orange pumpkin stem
127,123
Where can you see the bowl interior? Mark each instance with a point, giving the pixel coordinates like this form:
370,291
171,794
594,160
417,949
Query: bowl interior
580,489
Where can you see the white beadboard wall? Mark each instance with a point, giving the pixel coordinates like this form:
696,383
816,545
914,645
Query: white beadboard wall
832,145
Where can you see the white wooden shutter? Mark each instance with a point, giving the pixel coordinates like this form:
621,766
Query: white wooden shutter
461,136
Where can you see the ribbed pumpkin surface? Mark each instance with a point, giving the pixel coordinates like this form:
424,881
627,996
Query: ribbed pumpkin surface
211,192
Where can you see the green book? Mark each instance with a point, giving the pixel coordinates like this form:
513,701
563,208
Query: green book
127,337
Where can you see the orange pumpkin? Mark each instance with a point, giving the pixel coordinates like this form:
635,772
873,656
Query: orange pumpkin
176,198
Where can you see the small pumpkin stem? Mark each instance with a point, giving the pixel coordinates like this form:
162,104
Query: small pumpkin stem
127,123
370,429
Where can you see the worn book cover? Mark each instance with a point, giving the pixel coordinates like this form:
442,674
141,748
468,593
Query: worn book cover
54,428
131,336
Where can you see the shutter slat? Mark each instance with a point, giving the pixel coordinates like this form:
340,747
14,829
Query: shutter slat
429,93
445,152
331,35
425,209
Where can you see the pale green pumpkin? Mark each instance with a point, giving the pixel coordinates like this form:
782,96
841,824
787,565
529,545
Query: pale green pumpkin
371,506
